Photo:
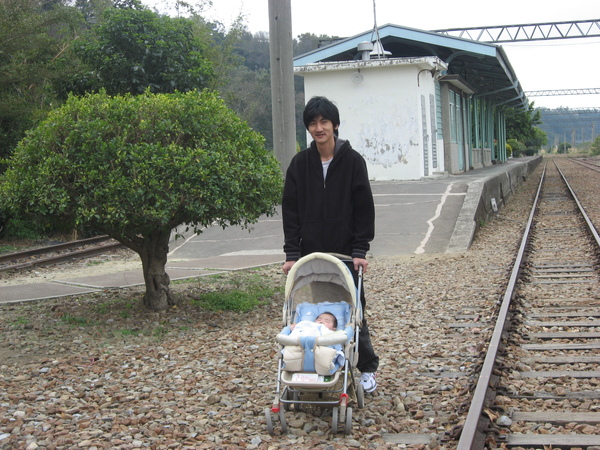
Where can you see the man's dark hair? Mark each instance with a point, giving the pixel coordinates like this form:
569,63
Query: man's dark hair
321,106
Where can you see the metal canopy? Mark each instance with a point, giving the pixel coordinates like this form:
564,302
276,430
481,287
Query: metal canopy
485,67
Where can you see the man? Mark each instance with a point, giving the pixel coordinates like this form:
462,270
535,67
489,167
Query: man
328,207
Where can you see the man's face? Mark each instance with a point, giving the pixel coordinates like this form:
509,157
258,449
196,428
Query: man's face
321,130
327,320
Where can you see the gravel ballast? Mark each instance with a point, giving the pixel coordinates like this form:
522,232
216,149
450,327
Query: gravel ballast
97,371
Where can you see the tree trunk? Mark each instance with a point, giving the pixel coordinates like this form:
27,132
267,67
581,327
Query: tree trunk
154,259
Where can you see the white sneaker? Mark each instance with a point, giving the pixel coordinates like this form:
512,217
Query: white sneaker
367,379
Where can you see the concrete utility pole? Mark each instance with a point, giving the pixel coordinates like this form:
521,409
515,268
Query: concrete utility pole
282,81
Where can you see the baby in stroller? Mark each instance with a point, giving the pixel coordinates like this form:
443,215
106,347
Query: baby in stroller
305,347
323,324
319,369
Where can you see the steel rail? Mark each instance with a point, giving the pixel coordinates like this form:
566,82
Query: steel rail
585,164
588,222
65,257
52,248
470,428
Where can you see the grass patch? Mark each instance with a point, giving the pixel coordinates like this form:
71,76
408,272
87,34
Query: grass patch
233,300
119,306
130,332
160,331
7,249
74,320
241,292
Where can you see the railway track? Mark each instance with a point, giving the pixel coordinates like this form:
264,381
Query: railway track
539,385
57,254
590,163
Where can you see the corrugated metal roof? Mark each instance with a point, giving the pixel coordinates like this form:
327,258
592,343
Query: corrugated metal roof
483,66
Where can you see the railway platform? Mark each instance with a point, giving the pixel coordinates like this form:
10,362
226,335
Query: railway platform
437,214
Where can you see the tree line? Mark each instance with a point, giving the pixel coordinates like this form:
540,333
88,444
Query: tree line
567,127
50,49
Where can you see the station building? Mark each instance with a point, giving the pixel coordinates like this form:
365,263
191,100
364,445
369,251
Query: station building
416,103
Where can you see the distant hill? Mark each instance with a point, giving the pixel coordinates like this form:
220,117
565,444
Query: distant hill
574,126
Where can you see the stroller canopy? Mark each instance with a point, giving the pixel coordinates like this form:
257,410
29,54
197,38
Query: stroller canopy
328,277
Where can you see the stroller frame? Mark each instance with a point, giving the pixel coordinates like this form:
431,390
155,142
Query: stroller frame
343,388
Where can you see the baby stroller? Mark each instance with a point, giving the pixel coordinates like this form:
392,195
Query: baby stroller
319,370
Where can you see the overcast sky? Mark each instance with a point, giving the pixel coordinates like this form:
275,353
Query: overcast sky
539,65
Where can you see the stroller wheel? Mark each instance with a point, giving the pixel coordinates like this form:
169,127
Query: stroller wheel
334,420
348,427
296,397
282,421
360,395
269,418
285,395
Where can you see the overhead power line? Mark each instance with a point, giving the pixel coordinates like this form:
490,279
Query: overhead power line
528,32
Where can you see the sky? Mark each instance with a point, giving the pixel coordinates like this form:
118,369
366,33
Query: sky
539,65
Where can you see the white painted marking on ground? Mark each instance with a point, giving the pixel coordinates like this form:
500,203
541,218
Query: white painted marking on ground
438,211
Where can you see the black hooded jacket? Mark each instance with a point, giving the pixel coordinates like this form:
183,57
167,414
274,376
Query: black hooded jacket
335,215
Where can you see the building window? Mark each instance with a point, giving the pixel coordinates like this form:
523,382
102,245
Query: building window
453,117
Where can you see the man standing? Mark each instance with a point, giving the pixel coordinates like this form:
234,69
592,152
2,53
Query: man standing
328,207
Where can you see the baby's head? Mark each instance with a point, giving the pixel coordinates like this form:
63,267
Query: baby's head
327,319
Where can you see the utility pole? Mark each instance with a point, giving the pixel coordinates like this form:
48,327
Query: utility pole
282,81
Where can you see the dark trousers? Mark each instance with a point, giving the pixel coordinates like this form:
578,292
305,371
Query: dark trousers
368,361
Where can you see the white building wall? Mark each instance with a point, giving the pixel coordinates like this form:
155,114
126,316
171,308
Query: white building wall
381,115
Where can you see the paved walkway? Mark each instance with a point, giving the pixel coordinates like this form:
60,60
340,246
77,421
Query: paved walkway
412,217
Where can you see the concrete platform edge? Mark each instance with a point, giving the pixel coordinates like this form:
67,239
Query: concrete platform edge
477,207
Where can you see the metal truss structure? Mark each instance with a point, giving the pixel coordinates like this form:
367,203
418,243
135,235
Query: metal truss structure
548,93
528,32
583,112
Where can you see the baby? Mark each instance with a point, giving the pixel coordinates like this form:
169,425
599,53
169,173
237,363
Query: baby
325,323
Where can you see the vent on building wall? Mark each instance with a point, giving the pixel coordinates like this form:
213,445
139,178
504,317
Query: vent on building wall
357,78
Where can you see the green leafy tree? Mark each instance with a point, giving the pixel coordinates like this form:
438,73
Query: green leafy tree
134,49
248,93
595,149
517,148
521,125
534,143
136,167
33,34
308,42
563,147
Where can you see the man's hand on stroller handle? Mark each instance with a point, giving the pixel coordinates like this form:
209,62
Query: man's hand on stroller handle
287,266
360,262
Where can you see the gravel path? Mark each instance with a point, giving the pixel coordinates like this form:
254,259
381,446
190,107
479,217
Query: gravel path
96,371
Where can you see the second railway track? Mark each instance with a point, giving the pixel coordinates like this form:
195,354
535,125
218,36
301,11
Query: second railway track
57,254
